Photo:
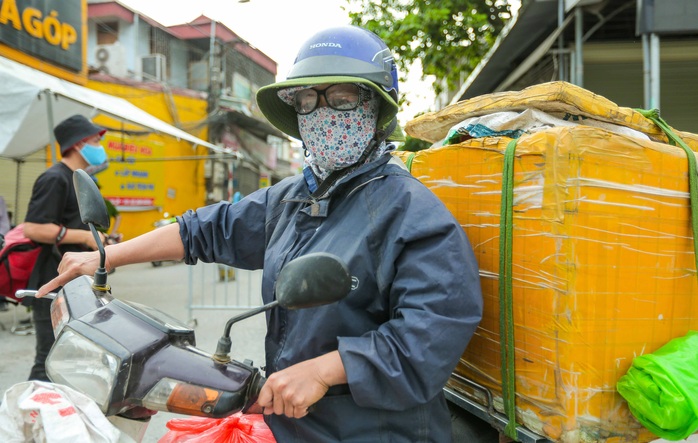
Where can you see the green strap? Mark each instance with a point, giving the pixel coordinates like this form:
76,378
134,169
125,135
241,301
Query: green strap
506,311
653,114
408,163
506,305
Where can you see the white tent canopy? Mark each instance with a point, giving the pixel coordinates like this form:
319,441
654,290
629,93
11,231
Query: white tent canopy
32,103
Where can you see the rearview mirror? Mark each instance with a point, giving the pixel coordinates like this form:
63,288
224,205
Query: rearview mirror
312,280
90,201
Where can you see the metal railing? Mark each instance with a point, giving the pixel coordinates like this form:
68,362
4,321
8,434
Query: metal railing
216,287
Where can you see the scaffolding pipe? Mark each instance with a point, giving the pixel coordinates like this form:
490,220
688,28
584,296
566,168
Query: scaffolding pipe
15,213
49,119
579,42
561,40
647,80
654,71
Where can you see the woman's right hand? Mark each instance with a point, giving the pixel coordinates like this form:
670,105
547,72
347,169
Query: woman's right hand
72,265
159,244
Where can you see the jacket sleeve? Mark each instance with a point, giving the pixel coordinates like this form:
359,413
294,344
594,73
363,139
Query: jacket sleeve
435,303
227,233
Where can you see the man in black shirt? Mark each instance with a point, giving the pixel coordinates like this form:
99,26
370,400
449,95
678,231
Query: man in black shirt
53,219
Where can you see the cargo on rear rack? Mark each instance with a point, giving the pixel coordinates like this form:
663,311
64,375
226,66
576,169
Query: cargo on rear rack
601,252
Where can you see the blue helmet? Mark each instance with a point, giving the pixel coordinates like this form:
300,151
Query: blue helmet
350,51
344,54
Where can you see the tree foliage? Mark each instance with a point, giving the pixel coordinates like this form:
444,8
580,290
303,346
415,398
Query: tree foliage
448,37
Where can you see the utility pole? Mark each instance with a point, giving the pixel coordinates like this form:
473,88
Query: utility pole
213,87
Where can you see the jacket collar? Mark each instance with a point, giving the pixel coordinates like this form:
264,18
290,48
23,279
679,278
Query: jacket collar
355,179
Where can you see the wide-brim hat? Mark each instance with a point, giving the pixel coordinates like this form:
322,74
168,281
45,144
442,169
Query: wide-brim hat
74,129
284,117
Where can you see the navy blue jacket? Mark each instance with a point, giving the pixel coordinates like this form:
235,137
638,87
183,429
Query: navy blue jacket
414,305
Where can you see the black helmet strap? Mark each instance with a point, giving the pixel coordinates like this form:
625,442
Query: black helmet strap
380,137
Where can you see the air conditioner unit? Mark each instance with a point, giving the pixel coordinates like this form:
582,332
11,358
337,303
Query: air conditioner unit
111,59
153,67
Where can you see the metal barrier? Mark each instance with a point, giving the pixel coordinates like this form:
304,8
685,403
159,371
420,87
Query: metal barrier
215,287
23,326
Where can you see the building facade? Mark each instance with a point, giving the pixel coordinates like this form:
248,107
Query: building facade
201,57
637,53
178,103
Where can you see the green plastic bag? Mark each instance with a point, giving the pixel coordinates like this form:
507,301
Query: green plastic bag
662,388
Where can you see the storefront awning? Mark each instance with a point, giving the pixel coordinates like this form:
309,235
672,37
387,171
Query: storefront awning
32,103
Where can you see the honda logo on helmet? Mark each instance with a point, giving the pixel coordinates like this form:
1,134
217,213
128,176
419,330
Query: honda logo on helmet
325,45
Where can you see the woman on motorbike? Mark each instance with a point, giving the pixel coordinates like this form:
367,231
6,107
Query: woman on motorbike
372,365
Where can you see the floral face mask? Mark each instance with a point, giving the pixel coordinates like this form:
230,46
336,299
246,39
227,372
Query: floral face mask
336,139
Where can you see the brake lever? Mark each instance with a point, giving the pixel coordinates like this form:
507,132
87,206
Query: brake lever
21,293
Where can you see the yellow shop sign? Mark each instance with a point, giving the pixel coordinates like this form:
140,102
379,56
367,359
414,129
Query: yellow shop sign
51,30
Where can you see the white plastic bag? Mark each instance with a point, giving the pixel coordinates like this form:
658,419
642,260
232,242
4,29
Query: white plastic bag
513,124
51,413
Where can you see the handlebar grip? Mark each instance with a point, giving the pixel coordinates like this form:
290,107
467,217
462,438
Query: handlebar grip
253,393
256,386
21,293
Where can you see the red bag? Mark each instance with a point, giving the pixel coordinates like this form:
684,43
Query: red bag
17,258
237,428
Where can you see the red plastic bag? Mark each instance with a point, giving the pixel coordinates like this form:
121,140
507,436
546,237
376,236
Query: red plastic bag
237,428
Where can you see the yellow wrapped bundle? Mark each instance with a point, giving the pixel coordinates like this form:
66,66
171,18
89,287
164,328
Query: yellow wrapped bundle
552,97
603,267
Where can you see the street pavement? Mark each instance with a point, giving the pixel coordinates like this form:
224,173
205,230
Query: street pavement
167,289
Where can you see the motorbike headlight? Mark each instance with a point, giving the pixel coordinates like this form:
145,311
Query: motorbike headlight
79,363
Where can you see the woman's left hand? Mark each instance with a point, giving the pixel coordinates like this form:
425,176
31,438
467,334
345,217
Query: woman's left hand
292,391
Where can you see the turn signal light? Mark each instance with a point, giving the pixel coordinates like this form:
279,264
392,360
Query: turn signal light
59,314
182,398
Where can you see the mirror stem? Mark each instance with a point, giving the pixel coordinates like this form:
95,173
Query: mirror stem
224,343
100,277
248,314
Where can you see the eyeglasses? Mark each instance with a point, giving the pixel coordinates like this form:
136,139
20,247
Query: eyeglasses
341,97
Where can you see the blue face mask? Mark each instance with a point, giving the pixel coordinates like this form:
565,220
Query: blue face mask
93,155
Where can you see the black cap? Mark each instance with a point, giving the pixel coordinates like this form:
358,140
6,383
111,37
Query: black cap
74,129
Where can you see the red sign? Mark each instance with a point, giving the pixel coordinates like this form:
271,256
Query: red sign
132,201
